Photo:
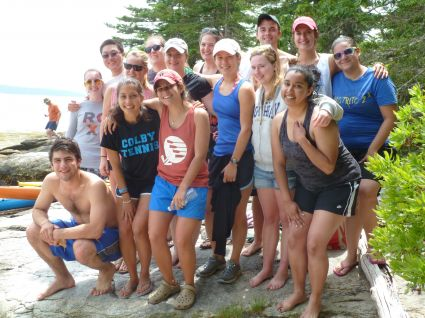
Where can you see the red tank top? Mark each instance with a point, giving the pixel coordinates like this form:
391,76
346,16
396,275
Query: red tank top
177,149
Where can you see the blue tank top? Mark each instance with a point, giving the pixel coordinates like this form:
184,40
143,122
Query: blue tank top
227,109
311,177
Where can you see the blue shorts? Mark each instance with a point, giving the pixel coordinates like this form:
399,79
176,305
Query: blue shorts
51,125
163,193
107,246
265,179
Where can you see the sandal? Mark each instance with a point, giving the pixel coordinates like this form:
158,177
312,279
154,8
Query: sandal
206,244
144,289
185,299
163,292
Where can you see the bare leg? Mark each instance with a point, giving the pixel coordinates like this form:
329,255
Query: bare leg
322,227
85,253
258,217
141,237
63,279
297,242
271,234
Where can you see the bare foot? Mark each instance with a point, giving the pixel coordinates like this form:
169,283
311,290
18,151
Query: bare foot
259,278
252,249
104,283
278,281
292,301
144,288
128,289
312,310
57,285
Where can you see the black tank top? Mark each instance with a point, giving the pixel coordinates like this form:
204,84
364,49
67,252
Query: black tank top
311,177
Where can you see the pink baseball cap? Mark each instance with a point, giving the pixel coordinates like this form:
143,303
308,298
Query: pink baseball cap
306,21
168,75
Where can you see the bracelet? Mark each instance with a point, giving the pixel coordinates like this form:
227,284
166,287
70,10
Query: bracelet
103,156
126,202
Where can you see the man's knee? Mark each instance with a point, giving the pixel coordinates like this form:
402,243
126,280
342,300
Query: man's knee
33,232
84,250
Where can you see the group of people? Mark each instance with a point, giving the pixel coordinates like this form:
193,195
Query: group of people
181,146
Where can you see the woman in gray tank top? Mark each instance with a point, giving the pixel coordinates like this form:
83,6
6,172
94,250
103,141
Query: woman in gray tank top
325,192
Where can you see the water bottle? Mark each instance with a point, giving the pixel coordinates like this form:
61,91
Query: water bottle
190,195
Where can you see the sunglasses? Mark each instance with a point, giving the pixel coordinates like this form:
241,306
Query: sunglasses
210,31
155,48
346,52
93,82
136,68
111,55
165,88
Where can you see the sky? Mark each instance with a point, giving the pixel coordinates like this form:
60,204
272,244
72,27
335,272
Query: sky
50,43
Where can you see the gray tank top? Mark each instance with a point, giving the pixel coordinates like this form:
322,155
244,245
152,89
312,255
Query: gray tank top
311,177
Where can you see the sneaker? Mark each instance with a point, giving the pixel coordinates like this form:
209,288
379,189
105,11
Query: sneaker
213,265
231,273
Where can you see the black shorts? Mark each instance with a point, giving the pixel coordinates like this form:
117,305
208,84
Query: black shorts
245,170
137,188
339,199
359,154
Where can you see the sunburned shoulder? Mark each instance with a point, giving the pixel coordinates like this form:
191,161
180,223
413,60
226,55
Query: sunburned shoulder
200,113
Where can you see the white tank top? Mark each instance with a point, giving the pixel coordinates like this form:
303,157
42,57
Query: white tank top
325,82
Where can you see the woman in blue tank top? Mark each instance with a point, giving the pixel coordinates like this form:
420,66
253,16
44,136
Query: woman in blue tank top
231,165
326,188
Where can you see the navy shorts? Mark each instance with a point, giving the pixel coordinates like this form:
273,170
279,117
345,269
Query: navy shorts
359,154
51,125
107,246
338,199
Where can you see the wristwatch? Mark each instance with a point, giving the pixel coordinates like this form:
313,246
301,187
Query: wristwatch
121,191
234,161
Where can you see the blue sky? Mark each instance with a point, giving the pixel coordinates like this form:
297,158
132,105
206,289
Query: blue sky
50,43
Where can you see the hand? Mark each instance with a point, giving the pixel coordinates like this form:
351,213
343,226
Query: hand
128,210
56,240
109,125
179,199
322,118
380,71
298,132
46,232
73,106
215,135
294,214
198,104
229,173
368,154
104,167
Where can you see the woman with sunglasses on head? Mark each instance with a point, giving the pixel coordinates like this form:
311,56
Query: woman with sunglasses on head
132,150
326,188
207,39
369,105
231,165
154,47
180,190
84,123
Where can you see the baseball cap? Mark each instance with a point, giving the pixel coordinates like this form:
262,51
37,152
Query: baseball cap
306,21
227,45
46,100
265,16
172,77
179,44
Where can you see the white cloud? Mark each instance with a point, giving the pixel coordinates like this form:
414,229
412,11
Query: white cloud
50,43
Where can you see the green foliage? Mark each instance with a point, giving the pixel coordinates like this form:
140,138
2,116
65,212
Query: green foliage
401,239
232,311
258,305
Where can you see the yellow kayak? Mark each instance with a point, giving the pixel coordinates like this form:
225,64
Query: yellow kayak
30,184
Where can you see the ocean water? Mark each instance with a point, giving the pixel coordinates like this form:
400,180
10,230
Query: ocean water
22,116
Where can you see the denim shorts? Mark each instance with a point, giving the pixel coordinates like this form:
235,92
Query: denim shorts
163,193
265,179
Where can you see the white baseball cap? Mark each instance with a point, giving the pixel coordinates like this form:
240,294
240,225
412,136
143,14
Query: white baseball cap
227,45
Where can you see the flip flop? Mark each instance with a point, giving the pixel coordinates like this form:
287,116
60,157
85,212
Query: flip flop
344,270
376,261
148,288
206,244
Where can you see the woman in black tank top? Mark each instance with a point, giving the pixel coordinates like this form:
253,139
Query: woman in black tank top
326,188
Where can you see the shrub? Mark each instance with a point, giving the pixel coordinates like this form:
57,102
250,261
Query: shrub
401,238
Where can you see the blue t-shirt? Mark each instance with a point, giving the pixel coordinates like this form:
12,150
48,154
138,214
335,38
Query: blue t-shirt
227,109
361,100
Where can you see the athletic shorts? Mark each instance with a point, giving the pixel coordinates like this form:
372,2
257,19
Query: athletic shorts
138,188
265,179
338,199
163,193
359,154
51,125
107,246
245,172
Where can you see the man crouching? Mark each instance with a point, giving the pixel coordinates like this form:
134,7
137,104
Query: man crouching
90,237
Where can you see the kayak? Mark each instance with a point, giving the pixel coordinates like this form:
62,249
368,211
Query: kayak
30,184
9,204
15,192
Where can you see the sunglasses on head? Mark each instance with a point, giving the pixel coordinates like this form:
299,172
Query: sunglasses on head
346,52
93,82
210,30
136,68
155,48
111,55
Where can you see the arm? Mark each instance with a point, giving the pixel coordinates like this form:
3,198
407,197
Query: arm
207,101
246,101
72,128
202,136
94,229
328,109
292,210
384,131
73,106
323,156
154,104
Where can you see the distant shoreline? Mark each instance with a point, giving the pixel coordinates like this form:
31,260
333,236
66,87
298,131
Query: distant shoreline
8,139
18,90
